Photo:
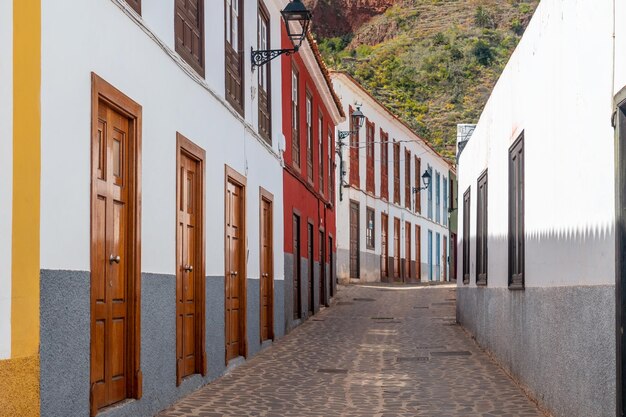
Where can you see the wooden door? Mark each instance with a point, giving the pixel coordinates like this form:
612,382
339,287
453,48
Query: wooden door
384,246
190,294
331,270
311,265
114,260
267,272
444,258
354,240
297,271
322,289
407,252
418,252
235,303
396,248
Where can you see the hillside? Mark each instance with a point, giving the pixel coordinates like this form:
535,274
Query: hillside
432,62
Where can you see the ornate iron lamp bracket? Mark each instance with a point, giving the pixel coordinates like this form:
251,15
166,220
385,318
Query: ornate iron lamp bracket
263,57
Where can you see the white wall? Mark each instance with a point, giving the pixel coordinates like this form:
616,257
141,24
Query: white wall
107,40
556,89
6,172
350,93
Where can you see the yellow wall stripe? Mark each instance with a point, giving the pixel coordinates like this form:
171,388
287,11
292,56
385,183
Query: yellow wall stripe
26,177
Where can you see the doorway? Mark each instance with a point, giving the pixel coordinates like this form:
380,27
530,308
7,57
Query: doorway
115,291
190,277
384,247
355,270
235,274
311,267
267,269
297,269
407,252
322,289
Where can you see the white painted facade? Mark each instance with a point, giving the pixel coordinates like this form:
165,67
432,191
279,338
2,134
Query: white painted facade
557,89
350,93
136,54
6,172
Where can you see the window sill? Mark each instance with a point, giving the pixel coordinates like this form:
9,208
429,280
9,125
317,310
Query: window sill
481,284
516,287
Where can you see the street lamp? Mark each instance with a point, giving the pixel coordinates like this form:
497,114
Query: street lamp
297,20
358,119
426,180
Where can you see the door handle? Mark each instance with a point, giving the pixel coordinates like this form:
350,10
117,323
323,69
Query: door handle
234,273
115,259
188,268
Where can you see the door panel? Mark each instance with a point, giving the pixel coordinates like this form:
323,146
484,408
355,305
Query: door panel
354,240
189,269
267,275
297,301
384,247
407,250
109,272
322,283
235,279
418,253
311,264
396,248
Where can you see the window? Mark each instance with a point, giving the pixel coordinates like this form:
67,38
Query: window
430,195
396,172
481,231
234,57
265,108
355,179
135,4
384,165
445,201
407,179
452,199
309,137
437,197
370,227
295,117
189,32
418,184
320,152
466,236
516,214
369,177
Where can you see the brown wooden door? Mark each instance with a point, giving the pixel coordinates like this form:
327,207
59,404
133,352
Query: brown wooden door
311,268
297,271
110,277
331,262
190,352
384,246
396,248
407,251
235,278
322,289
418,252
354,240
267,274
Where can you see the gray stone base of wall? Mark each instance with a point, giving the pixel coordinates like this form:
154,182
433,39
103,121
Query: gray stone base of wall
558,342
65,336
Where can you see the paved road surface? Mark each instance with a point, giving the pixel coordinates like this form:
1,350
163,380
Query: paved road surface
378,351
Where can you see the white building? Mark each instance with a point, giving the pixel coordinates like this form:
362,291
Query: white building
135,165
537,251
387,227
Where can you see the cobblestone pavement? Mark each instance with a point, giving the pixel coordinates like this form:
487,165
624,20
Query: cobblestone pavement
378,351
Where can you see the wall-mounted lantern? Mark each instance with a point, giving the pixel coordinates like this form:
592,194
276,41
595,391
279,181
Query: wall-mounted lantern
358,119
426,180
297,20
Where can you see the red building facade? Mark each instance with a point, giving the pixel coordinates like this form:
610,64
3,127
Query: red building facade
311,112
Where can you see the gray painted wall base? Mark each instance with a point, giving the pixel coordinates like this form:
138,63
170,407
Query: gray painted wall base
65,336
558,342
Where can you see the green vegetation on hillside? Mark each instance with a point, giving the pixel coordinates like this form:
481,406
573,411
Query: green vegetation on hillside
433,62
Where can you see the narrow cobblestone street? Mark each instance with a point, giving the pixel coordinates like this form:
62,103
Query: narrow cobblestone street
378,351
